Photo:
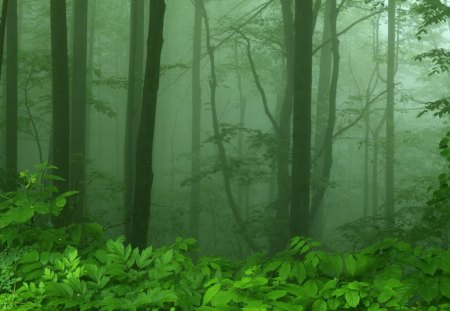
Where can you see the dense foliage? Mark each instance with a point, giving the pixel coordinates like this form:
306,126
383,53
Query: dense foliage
75,268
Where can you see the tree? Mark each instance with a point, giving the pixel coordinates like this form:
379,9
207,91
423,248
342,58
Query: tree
390,138
60,96
196,117
135,77
323,92
301,139
78,108
226,172
11,93
144,144
280,237
2,30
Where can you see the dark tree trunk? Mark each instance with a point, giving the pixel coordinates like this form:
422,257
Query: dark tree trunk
2,31
280,236
194,222
78,108
60,96
135,77
144,144
390,138
301,142
11,95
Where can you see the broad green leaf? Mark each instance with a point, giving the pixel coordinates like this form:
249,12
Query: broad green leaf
319,305
352,298
210,293
428,288
285,271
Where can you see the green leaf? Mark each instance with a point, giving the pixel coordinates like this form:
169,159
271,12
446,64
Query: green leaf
428,288
210,293
319,305
350,264
285,271
352,298
32,256
444,286
60,202
276,294
444,261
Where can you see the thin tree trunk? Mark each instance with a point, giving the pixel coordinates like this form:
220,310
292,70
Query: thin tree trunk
301,140
135,75
11,95
221,148
328,137
60,97
196,118
78,108
144,148
390,138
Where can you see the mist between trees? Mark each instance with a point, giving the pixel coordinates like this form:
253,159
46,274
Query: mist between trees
244,123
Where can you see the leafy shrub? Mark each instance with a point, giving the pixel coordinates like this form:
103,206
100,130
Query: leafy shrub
46,268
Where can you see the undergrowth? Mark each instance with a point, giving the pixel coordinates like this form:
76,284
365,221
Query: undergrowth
76,268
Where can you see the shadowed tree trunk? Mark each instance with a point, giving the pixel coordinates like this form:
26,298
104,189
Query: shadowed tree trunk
194,222
144,145
135,74
11,95
60,98
301,140
78,108
2,31
280,237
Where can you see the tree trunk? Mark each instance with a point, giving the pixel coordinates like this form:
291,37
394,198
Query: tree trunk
78,108
135,75
2,30
280,236
196,117
144,144
301,140
390,138
218,140
11,95
60,97
327,144
323,93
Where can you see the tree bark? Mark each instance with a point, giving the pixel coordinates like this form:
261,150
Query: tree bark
2,30
301,140
78,108
328,135
144,148
280,235
323,92
11,95
135,77
60,97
